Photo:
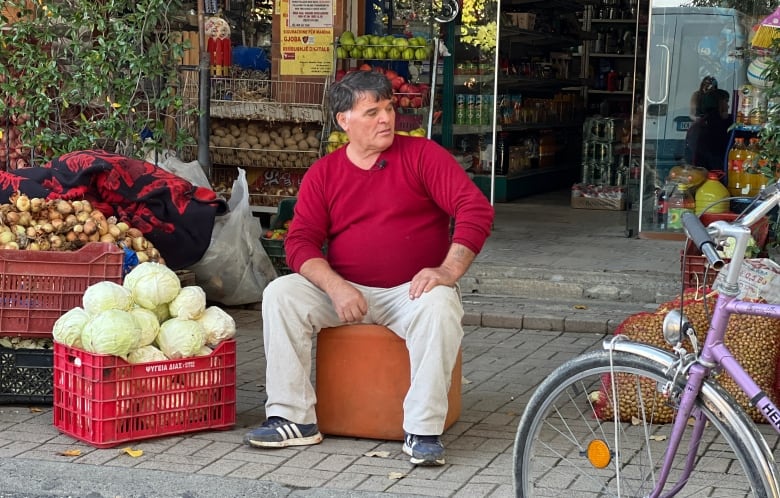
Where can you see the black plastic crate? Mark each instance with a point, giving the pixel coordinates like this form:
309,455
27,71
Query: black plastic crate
275,247
275,250
26,376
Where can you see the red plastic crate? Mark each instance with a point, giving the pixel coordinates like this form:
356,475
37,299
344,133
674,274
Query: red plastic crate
105,401
693,268
37,287
692,262
408,122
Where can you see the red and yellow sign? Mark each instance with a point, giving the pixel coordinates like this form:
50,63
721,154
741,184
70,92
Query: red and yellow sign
306,37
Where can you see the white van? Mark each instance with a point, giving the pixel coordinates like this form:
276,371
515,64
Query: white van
687,45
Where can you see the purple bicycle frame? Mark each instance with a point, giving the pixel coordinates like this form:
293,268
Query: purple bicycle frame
715,353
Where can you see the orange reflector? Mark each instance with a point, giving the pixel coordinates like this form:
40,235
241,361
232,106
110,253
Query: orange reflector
598,454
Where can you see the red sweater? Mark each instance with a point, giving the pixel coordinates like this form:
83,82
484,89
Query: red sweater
384,225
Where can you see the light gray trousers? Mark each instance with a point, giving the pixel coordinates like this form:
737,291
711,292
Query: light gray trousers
294,310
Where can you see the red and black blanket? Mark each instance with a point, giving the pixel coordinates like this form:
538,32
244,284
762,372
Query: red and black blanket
174,215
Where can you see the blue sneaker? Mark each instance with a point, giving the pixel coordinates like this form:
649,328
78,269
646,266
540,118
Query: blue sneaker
424,450
278,432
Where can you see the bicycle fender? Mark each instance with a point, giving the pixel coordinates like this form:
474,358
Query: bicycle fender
718,399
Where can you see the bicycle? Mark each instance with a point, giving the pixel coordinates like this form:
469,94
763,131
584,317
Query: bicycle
566,446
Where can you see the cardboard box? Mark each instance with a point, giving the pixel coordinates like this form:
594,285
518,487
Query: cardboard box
523,20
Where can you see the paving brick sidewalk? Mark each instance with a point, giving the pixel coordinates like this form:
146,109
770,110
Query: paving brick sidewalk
501,366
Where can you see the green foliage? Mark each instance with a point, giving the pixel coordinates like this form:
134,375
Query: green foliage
769,136
478,25
86,74
750,7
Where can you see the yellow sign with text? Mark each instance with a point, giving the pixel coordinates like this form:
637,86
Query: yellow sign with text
307,38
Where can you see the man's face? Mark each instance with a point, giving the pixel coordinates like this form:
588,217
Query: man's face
370,125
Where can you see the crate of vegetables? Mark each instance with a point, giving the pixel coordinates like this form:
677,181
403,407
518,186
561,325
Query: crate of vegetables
38,286
103,400
144,359
273,238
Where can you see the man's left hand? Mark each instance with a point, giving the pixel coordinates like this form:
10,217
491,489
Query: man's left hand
428,278
456,263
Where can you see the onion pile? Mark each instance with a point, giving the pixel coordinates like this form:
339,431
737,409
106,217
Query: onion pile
36,224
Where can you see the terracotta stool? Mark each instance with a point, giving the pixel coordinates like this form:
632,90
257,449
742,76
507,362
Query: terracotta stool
362,376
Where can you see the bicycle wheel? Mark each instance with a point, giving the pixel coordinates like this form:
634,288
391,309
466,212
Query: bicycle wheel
568,444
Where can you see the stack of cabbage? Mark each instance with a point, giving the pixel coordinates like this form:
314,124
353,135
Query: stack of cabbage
150,317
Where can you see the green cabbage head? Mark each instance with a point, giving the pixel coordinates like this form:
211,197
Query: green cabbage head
180,338
217,324
189,304
106,296
146,354
147,324
152,284
162,312
110,332
67,329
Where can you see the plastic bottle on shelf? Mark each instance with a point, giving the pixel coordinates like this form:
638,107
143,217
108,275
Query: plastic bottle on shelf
680,202
736,167
502,154
598,45
612,80
746,103
662,206
752,177
762,179
712,191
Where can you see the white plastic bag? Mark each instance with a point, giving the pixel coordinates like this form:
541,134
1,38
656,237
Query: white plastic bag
167,160
759,278
235,268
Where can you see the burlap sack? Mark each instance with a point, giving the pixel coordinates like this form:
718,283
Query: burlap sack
754,341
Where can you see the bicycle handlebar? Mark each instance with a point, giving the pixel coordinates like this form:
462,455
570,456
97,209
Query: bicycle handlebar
698,233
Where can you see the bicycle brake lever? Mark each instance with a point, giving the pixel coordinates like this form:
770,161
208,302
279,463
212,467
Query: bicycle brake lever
694,340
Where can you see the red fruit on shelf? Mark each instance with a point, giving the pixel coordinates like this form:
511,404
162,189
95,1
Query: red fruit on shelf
404,101
405,88
416,101
366,67
391,74
397,82
340,74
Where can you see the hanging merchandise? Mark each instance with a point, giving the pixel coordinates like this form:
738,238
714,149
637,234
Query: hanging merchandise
218,45
210,6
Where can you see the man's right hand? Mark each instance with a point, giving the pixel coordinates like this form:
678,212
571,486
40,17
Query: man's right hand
348,302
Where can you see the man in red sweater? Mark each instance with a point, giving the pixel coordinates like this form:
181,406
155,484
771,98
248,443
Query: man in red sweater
382,204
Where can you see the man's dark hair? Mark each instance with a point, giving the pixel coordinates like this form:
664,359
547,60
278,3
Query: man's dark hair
354,85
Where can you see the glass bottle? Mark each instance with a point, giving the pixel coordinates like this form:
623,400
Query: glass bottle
680,202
